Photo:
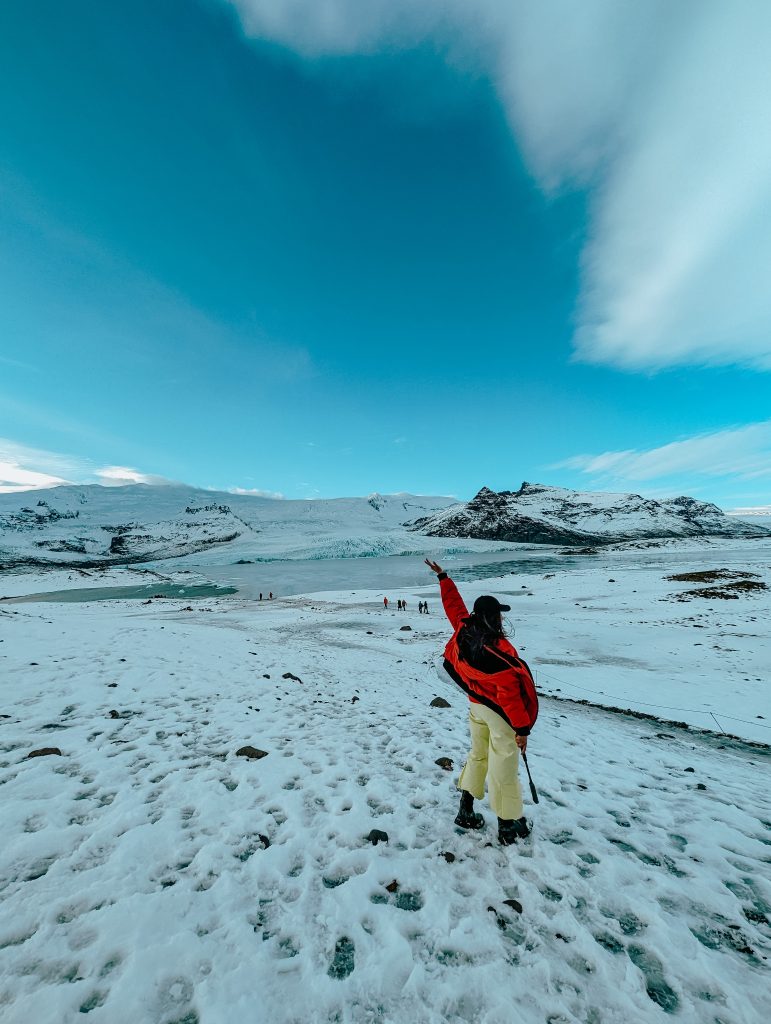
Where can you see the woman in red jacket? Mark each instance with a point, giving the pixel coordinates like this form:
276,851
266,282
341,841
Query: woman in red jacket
504,707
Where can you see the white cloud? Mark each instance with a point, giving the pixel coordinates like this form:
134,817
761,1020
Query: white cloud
741,453
661,110
14,477
753,510
256,491
23,468
118,476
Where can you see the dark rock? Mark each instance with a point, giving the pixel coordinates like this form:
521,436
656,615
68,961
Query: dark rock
392,886
44,752
377,836
690,769
251,752
440,702
700,785
265,675
514,904
405,628
611,581
444,762
370,633
354,699
115,714
290,675
449,857
111,686
754,916
264,840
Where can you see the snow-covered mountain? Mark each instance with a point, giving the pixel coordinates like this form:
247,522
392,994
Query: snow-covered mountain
93,525
555,515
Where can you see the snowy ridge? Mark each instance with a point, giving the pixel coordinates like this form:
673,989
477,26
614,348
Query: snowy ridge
556,515
94,525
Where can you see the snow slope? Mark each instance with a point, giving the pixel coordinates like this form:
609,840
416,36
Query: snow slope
93,525
556,515
148,874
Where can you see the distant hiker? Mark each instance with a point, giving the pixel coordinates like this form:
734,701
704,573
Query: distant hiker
260,595
504,707
420,607
404,605
425,607
399,604
385,603
270,596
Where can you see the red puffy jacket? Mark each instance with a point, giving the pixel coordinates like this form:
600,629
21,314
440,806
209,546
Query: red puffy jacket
510,692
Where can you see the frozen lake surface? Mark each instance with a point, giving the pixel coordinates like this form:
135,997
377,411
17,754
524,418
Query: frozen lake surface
392,575
289,577
144,592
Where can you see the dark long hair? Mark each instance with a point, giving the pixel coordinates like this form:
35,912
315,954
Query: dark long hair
478,632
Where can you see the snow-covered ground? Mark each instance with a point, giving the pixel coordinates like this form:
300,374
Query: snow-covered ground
148,874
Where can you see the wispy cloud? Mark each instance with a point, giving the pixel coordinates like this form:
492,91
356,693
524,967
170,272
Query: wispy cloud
120,307
753,510
23,468
741,453
660,110
118,476
256,492
14,477
18,364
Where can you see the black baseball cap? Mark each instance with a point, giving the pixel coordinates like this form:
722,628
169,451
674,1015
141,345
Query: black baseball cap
486,604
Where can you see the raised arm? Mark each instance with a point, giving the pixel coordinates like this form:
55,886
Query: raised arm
453,603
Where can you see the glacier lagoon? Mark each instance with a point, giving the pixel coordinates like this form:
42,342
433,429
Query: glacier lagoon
388,574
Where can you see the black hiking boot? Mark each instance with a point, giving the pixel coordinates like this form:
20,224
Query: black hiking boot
510,830
467,817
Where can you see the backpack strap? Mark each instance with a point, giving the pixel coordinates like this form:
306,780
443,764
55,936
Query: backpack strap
511,661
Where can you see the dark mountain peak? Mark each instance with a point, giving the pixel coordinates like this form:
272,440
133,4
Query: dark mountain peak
528,488
540,514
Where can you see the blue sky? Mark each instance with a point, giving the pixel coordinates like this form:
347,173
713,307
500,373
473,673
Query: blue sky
318,250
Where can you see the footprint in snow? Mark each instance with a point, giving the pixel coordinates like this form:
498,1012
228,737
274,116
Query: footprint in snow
655,983
343,961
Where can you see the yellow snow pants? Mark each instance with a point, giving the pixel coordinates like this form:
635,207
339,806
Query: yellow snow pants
495,756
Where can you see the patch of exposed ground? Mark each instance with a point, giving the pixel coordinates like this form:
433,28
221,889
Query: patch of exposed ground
731,583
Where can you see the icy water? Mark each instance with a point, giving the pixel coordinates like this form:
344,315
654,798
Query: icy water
389,574
145,592
392,573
